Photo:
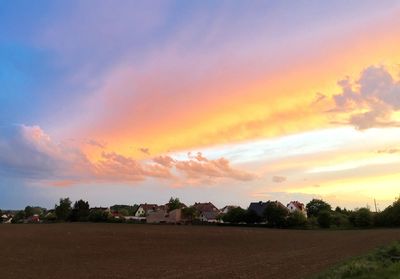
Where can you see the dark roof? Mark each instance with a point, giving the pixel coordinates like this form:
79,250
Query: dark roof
299,205
258,207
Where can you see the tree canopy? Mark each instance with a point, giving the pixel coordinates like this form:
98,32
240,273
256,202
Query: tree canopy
63,210
80,212
315,206
275,214
174,203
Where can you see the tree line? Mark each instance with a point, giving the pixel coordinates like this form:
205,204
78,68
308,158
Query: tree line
319,215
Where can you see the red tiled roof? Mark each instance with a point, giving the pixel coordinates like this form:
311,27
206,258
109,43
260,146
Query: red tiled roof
206,207
297,204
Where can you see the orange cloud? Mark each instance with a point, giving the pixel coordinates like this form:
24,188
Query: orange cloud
181,101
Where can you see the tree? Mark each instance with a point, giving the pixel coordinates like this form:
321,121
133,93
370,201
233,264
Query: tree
363,218
324,219
190,213
275,214
174,203
251,217
19,217
340,219
98,215
32,210
315,206
80,212
28,211
235,215
390,217
296,219
63,210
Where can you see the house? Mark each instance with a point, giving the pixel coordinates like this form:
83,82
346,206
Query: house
144,209
32,219
207,212
157,216
296,206
259,207
162,216
6,219
175,216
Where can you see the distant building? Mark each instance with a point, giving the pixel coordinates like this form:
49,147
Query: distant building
259,207
296,206
162,216
144,209
207,212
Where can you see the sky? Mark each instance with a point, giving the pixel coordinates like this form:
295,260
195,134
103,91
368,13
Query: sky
124,102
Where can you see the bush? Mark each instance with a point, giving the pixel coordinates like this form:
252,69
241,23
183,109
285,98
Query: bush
296,219
324,219
98,216
340,220
362,218
315,206
50,217
251,217
235,215
275,214
390,217
18,217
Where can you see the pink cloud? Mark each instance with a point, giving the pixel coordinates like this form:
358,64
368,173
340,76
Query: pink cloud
31,153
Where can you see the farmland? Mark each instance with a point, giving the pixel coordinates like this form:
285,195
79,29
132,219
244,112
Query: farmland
88,250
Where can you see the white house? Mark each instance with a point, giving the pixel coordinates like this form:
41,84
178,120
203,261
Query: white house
296,206
144,209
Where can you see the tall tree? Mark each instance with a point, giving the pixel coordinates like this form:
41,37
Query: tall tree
275,214
80,212
174,203
315,206
63,210
190,213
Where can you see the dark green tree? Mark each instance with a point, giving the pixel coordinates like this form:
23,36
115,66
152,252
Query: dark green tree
63,210
390,217
315,206
98,215
275,214
190,213
296,219
80,211
28,211
251,217
174,203
235,215
324,219
18,217
363,218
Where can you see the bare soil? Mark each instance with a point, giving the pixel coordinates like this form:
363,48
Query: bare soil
87,250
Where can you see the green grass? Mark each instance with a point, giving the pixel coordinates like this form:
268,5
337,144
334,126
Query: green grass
383,263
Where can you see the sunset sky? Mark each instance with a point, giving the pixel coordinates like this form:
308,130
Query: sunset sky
225,101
